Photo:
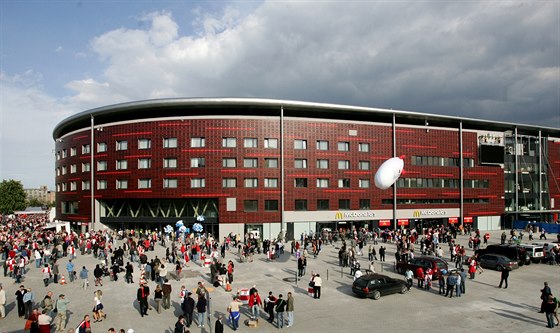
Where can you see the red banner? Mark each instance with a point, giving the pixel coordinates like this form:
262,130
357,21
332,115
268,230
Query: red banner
385,223
467,219
402,222
453,220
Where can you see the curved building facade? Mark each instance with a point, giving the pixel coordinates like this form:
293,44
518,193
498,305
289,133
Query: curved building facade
261,166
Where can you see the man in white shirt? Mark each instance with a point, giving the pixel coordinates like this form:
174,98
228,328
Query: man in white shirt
2,302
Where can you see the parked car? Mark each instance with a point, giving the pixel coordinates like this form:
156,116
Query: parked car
535,252
377,285
514,252
435,263
497,262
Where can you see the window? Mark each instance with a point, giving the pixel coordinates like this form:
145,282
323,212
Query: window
251,182
58,171
85,149
64,169
271,205
85,185
198,142
365,204
122,184
144,143
363,183
101,184
300,182
58,156
198,182
344,183
363,147
229,182
229,142
64,153
144,183
101,166
300,144
271,182
344,204
271,143
169,142
169,182
322,204
363,165
300,163
73,168
198,162
344,146
64,187
344,165
170,162
301,204
250,143
144,163
322,164
322,145
322,182
73,151
271,163
122,145
229,163
249,162
86,167
73,186
122,165
250,205
101,147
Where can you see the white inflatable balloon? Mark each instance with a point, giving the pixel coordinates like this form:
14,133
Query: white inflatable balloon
389,172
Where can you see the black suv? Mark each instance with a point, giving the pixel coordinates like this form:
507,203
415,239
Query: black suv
514,252
436,264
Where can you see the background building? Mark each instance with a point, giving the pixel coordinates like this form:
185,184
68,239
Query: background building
41,194
254,165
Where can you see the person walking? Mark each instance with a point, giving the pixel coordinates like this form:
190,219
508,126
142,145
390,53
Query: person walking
84,275
46,274
166,291
201,309
280,308
180,326
317,286
409,276
158,296
19,299
98,307
549,308
219,325
70,270
233,310
85,325
290,309
142,297
44,322
98,274
382,253
28,300
188,306
505,275
545,292
61,306
269,306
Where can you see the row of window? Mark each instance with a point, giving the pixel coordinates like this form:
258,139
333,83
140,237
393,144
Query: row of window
200,142
425,201
441,161
441,183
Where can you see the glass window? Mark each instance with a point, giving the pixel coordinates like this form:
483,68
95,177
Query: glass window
122,145
64,187
64,153
365,204
122,165
101,147
229,142
144,163
344,165
198,182
144,183
322,145
300,144
229,163
170,162
101,184
344,183
73,168
271,163
271,205
85,185
144,143
73,151
344,146
249,162
271,143
73,186
198,162
322,204
122,184
271,182
86,167
250,205
250,143
364,183
363,165
300,163
198,142
101,166
300,182
322,164
229,182
64,169
251,182
85,149
169,182
363,147
169,142
322,182
301,204
344,204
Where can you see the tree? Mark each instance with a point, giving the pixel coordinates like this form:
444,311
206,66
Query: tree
12,196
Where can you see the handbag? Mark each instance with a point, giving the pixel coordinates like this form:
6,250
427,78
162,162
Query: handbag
312,283
28,323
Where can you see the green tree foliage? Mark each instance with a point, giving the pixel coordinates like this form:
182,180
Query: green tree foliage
12,196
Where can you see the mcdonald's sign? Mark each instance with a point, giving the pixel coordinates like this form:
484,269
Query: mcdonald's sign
338,216
416,213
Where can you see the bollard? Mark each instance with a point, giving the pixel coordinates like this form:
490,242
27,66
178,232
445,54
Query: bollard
381,267
296,274
327,274
341,274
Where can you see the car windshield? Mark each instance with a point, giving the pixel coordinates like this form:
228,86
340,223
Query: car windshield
441,265
361,283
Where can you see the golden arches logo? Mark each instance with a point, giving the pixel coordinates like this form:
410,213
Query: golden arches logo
339,216
416,213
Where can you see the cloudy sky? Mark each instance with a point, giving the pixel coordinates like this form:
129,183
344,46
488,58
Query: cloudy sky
495,60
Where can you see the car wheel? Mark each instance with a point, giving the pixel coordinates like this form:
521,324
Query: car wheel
404,290
376,295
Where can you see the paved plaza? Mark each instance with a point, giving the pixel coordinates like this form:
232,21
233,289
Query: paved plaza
484,307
